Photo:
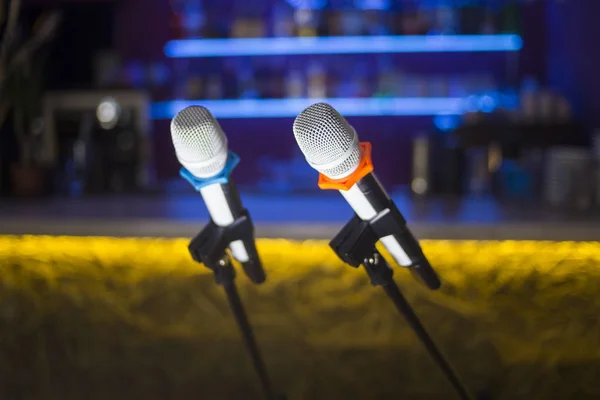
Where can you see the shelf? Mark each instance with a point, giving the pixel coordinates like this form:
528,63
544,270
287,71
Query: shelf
290,108
189,48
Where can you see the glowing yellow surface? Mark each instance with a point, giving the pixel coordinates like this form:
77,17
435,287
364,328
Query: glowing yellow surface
521,318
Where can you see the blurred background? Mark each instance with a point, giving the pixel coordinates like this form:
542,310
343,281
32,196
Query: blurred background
484,116
472,106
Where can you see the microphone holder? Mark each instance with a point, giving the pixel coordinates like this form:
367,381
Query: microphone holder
355,245
209,247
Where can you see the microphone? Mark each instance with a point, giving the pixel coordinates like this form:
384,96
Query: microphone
201,148
331,147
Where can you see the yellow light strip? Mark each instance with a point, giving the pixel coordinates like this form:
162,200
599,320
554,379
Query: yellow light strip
529,300
159,252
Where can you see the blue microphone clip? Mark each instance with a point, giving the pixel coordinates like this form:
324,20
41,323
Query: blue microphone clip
223,177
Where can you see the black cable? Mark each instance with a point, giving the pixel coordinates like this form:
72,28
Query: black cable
393,292
241,318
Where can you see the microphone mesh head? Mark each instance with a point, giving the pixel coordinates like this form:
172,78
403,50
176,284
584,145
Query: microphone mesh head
199,141
328,142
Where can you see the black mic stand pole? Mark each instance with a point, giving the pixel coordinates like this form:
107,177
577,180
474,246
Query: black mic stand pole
355,245
209,247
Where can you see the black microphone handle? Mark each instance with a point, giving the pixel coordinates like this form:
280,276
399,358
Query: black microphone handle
376,195
253,267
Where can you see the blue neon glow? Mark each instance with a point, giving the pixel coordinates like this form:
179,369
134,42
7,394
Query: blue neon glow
341,45
290,108
307,4
372,4
487,103
446,122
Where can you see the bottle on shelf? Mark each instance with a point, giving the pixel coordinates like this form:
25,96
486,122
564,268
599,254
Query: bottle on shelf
247,85
414,21
180,68
479,177
437,86
134,74
470,17
214,87
557,174
356,83
294,84
175,23
219,26
345,85
510,17
564,112
332,24
316,81
193,18
532,162
528,110
456,86
375,23
194,89
563,184
421,164
351,22
229,74
444,19
489,21
249,21
414,86
158,74
248,28
282,20
307,22
387,79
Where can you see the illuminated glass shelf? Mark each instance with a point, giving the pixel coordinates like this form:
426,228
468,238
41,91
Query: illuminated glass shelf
290,108
341,45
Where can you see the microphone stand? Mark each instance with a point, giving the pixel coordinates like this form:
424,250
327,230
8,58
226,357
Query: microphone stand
355,245
209,248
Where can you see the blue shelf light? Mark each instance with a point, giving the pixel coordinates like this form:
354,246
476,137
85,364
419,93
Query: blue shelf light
189,48
290,108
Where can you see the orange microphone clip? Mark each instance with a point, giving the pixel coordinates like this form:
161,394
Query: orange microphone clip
365,167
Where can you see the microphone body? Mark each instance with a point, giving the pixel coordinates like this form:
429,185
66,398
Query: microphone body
367,197
331,146
201,147
224,207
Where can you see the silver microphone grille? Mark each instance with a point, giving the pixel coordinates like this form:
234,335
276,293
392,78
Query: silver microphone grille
199,141
328,142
